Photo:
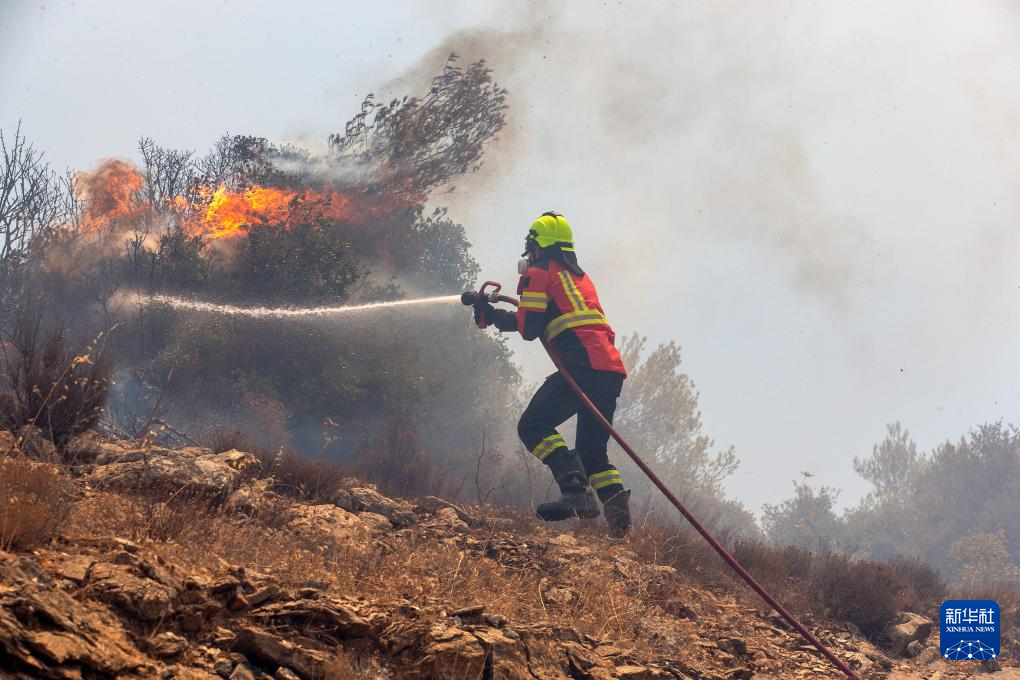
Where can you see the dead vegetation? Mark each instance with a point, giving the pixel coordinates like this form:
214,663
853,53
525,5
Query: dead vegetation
445,584
35,499
49,384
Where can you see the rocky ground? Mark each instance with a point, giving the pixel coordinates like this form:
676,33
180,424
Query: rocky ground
191,564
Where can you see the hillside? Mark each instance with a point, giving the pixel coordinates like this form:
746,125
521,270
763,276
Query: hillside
139,561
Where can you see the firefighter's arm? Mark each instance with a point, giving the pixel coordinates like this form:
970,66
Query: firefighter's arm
533,289
505,321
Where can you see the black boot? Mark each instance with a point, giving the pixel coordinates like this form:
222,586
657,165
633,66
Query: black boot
576,497
617,508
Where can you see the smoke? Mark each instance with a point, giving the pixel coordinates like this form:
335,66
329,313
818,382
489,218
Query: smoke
324,166
811,199
711,125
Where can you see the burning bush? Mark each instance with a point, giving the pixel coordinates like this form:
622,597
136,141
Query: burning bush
253,222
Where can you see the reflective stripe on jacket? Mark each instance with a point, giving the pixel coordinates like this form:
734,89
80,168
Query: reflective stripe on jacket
564,308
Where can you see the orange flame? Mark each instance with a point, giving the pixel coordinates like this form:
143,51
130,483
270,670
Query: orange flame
111,194
228,214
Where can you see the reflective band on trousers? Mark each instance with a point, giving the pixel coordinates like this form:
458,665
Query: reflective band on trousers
588,317
547,446
601,480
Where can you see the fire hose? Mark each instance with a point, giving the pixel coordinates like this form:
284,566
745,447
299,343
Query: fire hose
471,298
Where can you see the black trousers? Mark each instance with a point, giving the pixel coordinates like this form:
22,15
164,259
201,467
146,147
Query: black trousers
555,402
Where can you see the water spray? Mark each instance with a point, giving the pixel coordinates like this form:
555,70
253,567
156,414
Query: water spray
283,312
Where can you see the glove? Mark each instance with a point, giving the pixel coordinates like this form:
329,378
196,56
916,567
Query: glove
503,320
484,313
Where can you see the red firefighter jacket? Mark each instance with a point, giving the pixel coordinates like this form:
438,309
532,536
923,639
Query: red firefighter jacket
564,308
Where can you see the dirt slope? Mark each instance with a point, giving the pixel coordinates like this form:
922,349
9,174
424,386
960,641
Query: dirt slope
186,564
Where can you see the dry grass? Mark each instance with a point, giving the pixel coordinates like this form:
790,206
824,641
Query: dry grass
607,602
433,574
926,584
825,584
49,384
300,477
221,439
196,535
35,499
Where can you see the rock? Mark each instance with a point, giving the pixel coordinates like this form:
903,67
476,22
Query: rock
112,452
991,665
250,498
140,597
329,527
375,520
34,443
73,568
242,672
454,654
635,672
342,618
631,672
223,667
47,633
125,545
199,470
284,673
367,499
430,505
245,463
495,620
167,645
123,557
908,628
83,449
560,596
859,662
928,655
343,500
471,612
237,602
447,521
914,648
268,650
183,673
734,646
267,593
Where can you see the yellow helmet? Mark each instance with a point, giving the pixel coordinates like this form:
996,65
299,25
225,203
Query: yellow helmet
552,229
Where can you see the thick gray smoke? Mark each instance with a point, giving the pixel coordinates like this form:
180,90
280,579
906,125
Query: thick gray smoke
814,200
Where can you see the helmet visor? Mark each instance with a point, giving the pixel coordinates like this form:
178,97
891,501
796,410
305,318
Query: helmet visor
528,241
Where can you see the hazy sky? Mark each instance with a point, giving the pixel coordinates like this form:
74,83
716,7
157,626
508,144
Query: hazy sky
818,201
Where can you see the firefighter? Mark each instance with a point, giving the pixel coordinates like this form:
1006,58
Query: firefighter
558,302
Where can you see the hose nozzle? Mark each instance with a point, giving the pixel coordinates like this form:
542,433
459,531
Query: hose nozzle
483,295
